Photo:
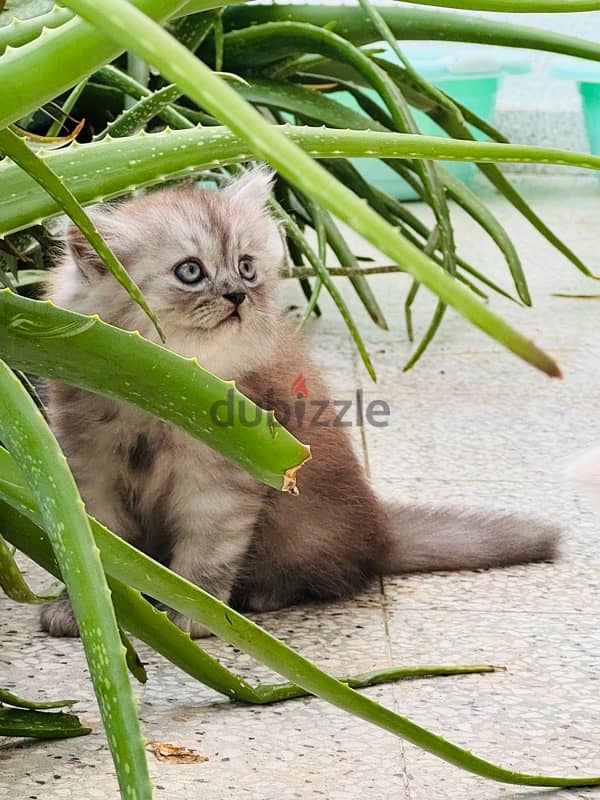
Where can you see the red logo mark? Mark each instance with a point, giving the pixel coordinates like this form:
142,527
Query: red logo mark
299,386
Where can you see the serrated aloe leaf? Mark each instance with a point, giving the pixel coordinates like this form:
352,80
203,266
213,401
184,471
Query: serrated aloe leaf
405,23
15,586
133,568
82,50
15,32
44,467
349,208
192,29
308,103
134,165
134,662
45,340
8,698
40,724
135,118
129,86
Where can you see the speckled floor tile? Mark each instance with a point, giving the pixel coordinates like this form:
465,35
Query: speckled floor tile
541,715
305,747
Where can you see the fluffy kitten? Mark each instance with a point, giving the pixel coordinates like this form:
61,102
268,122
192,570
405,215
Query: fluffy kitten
208,262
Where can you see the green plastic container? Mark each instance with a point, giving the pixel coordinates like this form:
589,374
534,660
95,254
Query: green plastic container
470,75
590,96
587,76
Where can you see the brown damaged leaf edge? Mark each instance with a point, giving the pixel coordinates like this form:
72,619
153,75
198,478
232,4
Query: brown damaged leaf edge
289,478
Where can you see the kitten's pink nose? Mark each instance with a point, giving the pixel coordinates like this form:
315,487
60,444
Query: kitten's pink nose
237,298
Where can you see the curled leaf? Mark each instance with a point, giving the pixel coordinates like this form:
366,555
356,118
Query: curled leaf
50,142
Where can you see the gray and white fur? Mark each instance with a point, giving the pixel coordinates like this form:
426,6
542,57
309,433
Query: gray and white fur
208,264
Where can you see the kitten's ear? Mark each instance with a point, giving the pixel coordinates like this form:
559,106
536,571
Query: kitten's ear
84,255
254,186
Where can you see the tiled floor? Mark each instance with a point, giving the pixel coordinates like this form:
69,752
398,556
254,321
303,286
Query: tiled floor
470,426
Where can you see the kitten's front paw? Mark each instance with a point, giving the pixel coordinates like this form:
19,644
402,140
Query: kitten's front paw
195,630
58,619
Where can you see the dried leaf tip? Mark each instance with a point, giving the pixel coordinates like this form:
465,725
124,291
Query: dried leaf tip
173,754
289,477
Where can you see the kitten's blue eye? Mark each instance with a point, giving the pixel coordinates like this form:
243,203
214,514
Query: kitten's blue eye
189,271
246,268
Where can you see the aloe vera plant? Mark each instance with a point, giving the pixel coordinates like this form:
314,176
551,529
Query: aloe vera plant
282,64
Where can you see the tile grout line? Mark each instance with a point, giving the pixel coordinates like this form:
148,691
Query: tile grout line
382,597
388,645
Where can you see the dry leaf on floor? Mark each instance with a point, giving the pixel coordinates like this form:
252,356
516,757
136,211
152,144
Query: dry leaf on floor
172,754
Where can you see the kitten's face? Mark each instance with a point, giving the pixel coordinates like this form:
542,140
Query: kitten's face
206,261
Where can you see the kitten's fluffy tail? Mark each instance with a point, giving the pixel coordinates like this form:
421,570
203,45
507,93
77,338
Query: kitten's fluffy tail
439,539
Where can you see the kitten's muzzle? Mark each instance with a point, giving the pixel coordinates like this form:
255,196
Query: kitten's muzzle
237,298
